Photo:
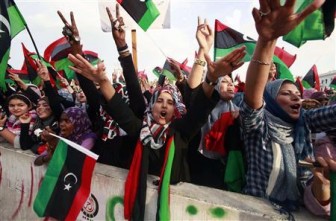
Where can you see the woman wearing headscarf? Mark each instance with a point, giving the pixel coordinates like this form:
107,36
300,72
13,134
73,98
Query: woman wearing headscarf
277,132
162,136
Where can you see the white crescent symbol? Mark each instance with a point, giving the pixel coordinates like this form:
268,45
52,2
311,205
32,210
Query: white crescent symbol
71,174
5,22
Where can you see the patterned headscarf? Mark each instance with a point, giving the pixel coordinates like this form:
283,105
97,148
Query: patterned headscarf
152,132
81,122
111,127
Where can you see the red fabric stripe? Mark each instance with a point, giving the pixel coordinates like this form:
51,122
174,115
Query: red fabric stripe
219,26
52,46
84,190
132,181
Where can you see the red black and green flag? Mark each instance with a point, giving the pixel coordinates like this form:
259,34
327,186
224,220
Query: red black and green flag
311,79
57,55
67,182
136,184
169,72
228,39
11,23
333,83
317,26
144,12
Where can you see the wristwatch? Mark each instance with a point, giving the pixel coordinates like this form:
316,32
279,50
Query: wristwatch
2,128
210,82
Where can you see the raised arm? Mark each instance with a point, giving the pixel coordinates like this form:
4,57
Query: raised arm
137,102
205,38
272,20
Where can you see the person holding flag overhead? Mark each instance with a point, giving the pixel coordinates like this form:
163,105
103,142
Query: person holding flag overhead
277,135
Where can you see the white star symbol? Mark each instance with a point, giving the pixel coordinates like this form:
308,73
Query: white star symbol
67,187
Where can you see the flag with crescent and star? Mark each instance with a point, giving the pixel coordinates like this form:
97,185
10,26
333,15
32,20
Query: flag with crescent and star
67,182
11,23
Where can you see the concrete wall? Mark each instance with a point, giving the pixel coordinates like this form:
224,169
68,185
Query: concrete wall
20,179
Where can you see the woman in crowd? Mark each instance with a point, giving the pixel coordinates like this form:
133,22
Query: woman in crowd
276,134
75,125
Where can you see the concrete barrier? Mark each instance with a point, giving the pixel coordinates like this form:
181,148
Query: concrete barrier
20,179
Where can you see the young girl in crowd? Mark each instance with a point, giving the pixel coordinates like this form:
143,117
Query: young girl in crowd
276,133
19,106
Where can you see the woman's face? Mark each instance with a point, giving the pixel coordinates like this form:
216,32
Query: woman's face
289,98
17,107
43,109
66,126
226,88
163,109
80,96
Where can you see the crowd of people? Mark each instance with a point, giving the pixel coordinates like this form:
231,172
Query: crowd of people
198,129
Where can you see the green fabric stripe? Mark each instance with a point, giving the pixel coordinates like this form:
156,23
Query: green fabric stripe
3,67
50,180
164,212
149,17
284,72
306,84
312,28
17,22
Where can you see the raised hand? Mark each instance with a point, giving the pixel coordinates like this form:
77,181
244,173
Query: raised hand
226,64
117,25
74,35
175,66
42,71
83,67
204,35
273,20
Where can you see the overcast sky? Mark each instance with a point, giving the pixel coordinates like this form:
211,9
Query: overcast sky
153,46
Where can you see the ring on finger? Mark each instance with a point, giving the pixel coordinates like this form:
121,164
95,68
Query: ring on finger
264,13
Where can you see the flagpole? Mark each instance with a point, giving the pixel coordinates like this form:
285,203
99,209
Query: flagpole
31,37
134,50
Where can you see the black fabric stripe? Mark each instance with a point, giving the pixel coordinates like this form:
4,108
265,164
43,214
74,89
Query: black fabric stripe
140,200
309,78
61,200
136,9
229,38
328,10
5,36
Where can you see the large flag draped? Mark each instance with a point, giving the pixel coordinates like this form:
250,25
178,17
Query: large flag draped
317,26
228,39
143,12
11,23
67,182
311,79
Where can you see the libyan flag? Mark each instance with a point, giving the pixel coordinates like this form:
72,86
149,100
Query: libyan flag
169,72
57,55
144,12
11,23
317,26
311,79
67,182
228,39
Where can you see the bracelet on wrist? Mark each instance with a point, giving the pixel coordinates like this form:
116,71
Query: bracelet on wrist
124,54
200,62
211,83
122,48
260,62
